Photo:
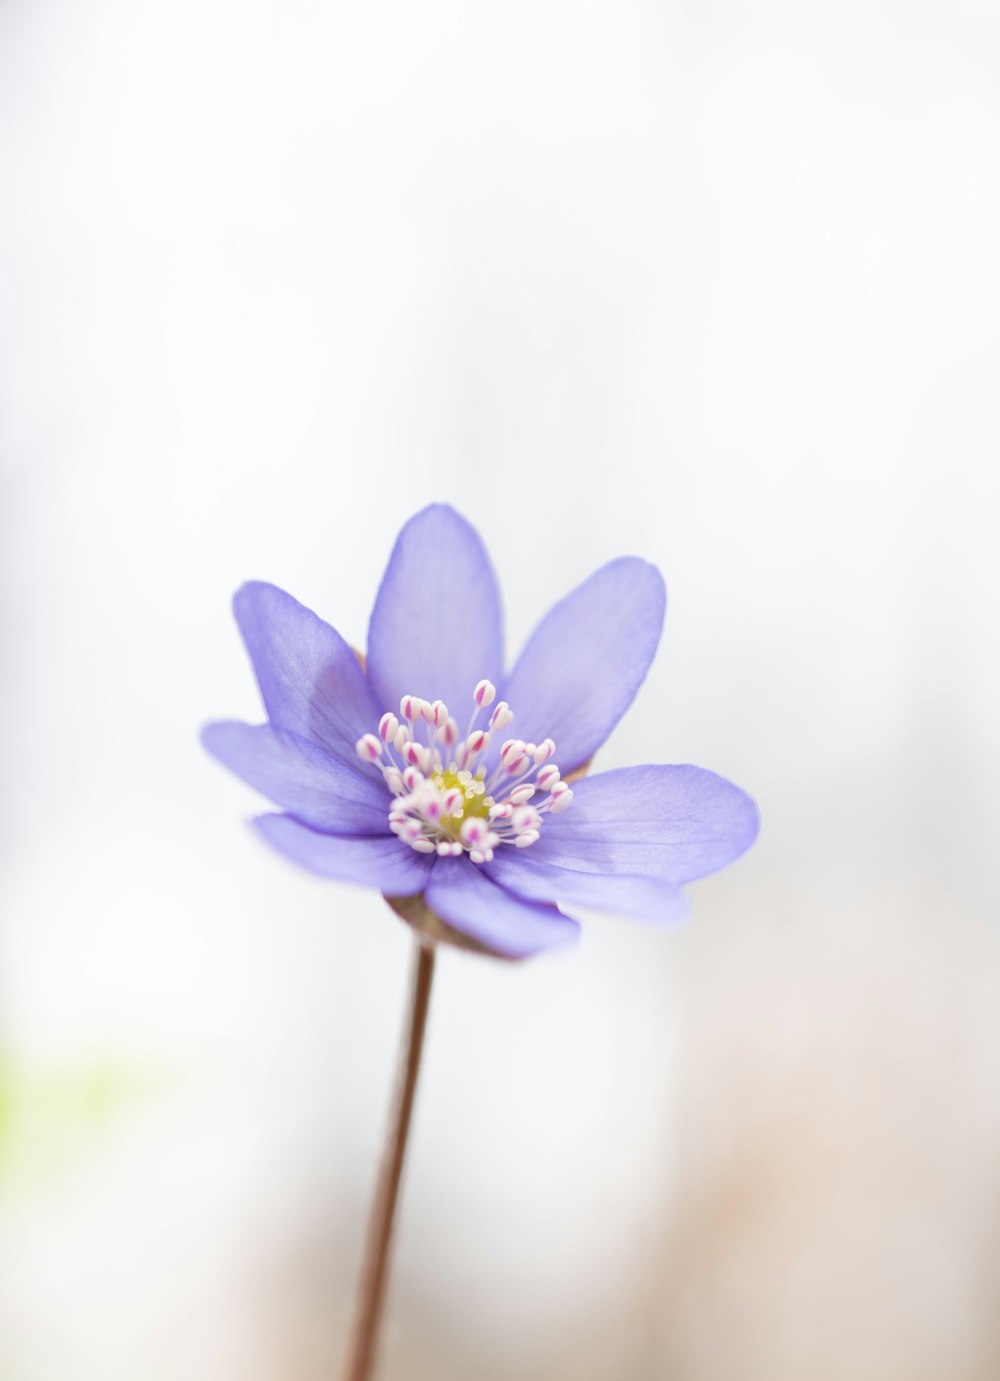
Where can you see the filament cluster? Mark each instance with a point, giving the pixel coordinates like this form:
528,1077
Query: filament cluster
444,798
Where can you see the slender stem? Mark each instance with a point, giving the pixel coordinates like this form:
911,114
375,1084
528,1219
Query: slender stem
374,1271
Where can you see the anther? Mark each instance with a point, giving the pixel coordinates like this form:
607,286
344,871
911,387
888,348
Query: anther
485,693
547,778
416,755
501,716
474,831
368,748
511,747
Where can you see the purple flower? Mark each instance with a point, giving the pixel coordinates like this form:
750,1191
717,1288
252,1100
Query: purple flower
454,786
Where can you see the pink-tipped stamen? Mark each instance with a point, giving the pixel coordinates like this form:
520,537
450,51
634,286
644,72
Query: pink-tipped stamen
444,802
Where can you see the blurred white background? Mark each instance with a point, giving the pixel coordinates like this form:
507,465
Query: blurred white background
712,283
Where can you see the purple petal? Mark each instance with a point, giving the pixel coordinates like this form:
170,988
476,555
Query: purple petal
471,902
301,777
672,823
384,863
587,658
436,628
642,898
310,680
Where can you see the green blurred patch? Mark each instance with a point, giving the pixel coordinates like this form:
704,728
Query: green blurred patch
50,1116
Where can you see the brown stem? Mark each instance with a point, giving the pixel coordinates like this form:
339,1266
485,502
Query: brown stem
374,1271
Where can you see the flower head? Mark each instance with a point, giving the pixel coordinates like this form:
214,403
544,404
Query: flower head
455,787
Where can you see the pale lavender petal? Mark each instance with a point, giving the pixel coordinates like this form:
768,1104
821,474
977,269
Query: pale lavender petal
385,863
585,661
641,898
461,894
301,777
310,680
436,628
676,823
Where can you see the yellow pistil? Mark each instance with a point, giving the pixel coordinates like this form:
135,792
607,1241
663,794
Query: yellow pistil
475,804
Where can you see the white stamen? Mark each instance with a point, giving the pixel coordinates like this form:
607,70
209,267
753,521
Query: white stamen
474,831
368,748
387,726
508,749
501,716
416,755
485,694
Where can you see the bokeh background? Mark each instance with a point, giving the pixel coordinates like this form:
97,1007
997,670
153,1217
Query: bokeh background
710,282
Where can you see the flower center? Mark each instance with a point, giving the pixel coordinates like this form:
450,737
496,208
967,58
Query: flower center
444,801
